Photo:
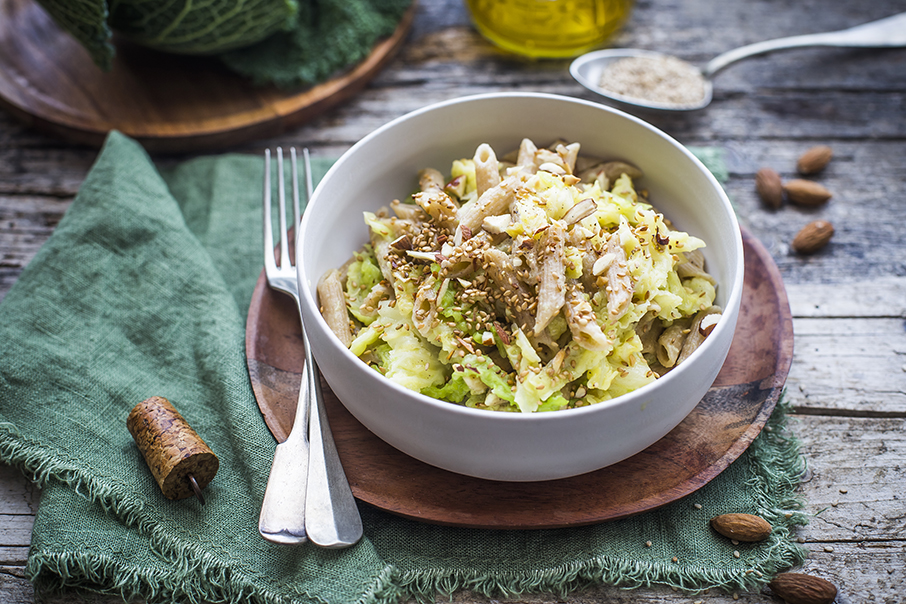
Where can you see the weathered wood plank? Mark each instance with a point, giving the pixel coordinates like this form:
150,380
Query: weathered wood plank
854,367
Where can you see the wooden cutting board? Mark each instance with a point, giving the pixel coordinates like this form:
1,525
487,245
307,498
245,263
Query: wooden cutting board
168,103
717,431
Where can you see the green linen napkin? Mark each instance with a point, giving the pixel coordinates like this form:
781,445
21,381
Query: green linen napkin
142,290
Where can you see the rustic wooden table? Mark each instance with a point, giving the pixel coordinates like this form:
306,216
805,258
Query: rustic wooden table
847,384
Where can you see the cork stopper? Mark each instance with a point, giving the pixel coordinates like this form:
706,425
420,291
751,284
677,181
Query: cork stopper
182,464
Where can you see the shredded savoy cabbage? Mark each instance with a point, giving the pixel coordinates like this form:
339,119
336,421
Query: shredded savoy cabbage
541,281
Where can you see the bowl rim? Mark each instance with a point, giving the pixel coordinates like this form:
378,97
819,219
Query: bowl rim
734,297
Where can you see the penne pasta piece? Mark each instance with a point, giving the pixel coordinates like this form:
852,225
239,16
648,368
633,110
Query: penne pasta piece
500,269
619,282
670,344
430,179
526,157
589,258
552,278
487,170
693,265
333,305
492,202
424,309
547,156
407,211
698,333
649,329
381,248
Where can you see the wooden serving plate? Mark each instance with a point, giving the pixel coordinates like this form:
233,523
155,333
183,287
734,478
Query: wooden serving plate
168,103
717,431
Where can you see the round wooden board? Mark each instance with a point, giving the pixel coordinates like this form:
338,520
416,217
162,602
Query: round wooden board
717,431
168,103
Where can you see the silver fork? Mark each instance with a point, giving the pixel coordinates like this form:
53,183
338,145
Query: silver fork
307,495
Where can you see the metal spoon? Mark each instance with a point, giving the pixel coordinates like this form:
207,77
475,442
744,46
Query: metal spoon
588,69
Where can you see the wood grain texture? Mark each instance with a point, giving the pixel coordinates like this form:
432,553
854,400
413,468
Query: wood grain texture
167,102
847,302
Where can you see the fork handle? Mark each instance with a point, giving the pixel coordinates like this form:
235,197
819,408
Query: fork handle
332,518
282,518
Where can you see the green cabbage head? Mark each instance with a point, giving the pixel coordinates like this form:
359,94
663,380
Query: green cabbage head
177,26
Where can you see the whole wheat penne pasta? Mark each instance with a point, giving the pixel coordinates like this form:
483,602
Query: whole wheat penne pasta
333,305
430,179
693,266
552,278
494,201
619,282
407,211
697,335
649,329
424,309
670,344
526,157
500,269
487,170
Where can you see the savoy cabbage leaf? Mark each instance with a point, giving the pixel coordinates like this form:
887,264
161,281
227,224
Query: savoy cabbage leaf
86,21
331,35
177,26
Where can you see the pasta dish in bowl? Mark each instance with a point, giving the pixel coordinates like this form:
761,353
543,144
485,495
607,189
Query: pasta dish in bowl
535,283
519,286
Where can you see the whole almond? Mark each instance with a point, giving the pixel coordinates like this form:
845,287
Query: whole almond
742,527
806,192
769,187
814,160
797,588
813,237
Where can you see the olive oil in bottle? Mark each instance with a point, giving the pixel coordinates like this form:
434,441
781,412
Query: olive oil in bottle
548,28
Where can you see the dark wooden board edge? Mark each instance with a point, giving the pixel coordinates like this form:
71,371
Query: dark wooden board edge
278,112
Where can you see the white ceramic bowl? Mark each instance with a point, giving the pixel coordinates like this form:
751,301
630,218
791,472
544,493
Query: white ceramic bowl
513,446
